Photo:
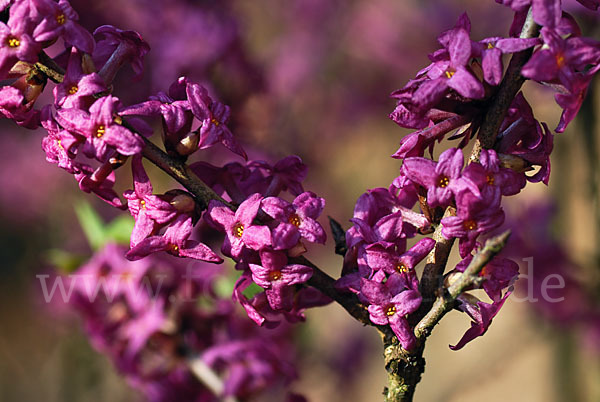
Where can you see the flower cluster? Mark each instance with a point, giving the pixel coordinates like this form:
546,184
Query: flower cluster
146,316
260,212
91,134
445,96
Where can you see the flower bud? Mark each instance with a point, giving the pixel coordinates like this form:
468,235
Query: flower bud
188,144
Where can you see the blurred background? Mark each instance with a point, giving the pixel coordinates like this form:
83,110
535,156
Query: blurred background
313,78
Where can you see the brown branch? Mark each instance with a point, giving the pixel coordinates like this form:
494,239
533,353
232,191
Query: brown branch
445,302
47,66
183,174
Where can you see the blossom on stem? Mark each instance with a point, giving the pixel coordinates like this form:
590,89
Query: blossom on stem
175,241
473,217
443,179
498,274
276,276
103,135
77,88
60,20
391,302
297,220
214,117
15,45
385,258
481,313
238,226
147,209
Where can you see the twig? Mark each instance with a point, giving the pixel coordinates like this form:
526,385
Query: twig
207,376
182,173
445,302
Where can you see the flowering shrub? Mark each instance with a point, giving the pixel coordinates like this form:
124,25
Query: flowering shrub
262,217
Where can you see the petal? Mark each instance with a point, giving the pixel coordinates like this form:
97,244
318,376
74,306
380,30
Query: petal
285,236
402,330
257,237
199,251
466,84
295,273
459,47
277,208
312,231
309,205
146,247
248,209
420,170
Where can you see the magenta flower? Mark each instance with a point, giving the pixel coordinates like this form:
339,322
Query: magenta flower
492,180
384,257
130,43
148,210
276,276
286,174
523,136
77,89
473,217
571,102
482,314
103,134
239,228
174,109
297,219
254,312
560,59
175,242
60,20
390,303
214,116
498,274
15,45
491,51
227,178
545,12
443,179
59,145
449,69
138,330
100,182
14,106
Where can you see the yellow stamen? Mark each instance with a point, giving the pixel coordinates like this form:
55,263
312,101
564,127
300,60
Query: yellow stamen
450,72
73,90
401,268
143,204
100,131
470,225
490,45
390,311
61,19
560,60
215,121
13,41
443,181
274,275
295,220
490,179
238,230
